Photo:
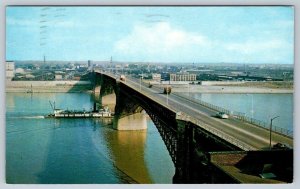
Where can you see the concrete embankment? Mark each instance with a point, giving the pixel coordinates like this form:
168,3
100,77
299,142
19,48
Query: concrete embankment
48,86
226,89
229,87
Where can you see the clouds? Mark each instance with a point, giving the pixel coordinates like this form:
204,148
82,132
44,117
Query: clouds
156,34
164,42
159,40
269,50
253,46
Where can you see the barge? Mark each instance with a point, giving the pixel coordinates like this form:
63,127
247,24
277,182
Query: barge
101,113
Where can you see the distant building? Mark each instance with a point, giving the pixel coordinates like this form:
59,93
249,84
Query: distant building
118,66
10,70
29,76
156,77
58,77
77,78
90,65
182,77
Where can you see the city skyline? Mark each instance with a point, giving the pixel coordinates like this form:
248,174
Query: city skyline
254,34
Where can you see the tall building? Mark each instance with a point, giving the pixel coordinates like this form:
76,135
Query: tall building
90,65
156,77
182,77
10,70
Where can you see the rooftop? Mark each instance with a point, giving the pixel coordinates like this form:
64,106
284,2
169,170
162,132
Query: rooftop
271,166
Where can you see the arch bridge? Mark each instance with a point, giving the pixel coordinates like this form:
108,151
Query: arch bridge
188,134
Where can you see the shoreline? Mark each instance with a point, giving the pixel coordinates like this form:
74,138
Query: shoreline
48,86
80,87
198,89
48,90
229,90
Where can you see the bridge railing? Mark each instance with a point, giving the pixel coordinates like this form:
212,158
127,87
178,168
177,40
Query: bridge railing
216,132
265,125
241,116
197,122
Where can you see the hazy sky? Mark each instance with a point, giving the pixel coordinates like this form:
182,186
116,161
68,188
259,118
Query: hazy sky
156,34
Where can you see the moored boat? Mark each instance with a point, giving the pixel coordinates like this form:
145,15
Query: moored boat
101,113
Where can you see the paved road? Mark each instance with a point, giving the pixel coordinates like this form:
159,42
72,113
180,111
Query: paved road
250,135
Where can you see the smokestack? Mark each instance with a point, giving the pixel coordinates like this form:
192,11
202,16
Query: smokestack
95,107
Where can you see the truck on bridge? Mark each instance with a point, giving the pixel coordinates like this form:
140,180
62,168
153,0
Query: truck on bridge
167,89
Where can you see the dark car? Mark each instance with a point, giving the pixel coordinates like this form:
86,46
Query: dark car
282,146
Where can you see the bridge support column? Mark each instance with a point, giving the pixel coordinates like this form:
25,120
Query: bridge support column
108,100
136,121
97,89
184,152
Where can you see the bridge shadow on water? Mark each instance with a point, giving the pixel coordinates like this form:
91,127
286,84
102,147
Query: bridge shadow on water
130,149
76,155
79,153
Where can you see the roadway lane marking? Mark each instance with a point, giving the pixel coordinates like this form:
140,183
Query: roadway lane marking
205,115
229,125
216,120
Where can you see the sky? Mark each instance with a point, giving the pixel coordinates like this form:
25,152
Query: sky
188,34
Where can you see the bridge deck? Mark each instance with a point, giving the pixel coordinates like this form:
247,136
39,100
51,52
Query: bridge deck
244,135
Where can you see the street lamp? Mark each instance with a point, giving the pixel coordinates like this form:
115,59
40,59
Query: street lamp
167,97
270,145
252,110
141,81
188,90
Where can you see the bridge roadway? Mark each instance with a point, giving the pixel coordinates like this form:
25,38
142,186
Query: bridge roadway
250,136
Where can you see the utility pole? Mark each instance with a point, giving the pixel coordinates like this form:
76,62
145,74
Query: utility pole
111,64
141,82
167,97
270,145
188,90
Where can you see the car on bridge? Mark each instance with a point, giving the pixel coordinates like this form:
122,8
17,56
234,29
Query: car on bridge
123,78
282,146
222,115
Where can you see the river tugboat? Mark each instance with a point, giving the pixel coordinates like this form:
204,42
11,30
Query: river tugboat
101,113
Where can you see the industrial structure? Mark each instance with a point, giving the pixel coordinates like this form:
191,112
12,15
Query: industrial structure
10,70
182,77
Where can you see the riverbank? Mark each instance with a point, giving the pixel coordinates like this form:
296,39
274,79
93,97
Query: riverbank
228,89
86,86
48,86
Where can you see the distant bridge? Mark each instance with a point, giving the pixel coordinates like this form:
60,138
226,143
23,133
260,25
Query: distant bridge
188,129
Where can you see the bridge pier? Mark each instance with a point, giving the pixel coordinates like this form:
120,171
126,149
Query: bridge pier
136,121
184,152
97,89
108,100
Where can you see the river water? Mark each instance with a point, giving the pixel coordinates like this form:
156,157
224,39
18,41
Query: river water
262,107
40,150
